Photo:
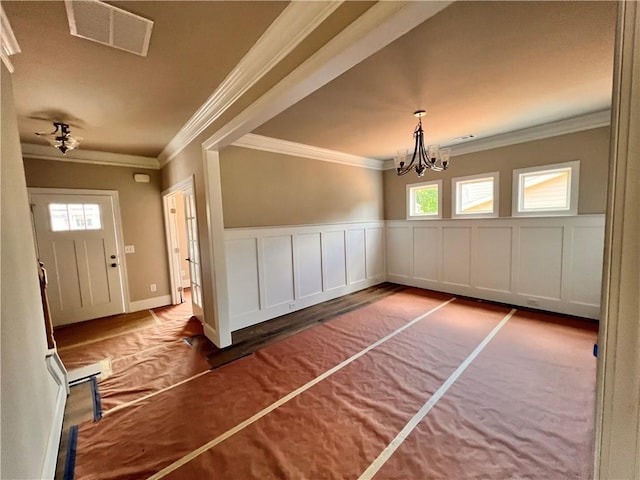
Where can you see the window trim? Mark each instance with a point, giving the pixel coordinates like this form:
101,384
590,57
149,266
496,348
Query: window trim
409,201
496,195
574,191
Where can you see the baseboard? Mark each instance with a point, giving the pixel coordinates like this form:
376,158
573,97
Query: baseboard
59,374
149,303
83,373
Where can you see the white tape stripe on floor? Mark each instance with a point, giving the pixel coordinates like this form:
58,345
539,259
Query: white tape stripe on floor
417,418
153,394
221,438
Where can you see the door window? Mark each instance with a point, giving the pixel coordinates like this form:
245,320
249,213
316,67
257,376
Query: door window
66,217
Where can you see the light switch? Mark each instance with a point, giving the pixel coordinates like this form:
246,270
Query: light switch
129,249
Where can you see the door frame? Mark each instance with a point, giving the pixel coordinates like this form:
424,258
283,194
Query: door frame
124,277
175,279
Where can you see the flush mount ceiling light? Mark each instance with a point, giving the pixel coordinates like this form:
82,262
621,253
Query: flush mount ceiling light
435,158
61,137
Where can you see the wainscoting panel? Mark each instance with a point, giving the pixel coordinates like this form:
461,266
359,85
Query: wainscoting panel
399,248
374,252
585,241
334,257
494,258
277,260
309,264
456,255
550,263
276,270
244,291
356,267
426,242
540,261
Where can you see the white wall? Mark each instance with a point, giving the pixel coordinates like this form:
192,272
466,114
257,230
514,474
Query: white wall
29,393
274,271
549,263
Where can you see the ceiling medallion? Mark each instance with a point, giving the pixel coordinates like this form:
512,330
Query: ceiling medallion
436,158
61,137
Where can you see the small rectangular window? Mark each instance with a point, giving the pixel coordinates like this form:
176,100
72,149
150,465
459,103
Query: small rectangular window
74,216
475,195
424,200
546,190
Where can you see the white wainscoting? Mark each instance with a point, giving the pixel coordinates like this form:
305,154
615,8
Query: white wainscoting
551,263
277,270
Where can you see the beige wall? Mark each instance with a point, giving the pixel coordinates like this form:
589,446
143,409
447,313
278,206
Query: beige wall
140,208
265,189
28,390
591,147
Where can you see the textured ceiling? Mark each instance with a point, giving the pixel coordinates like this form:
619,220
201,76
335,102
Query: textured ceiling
481,68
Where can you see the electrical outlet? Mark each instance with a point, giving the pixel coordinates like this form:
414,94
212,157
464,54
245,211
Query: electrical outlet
153,287
129,249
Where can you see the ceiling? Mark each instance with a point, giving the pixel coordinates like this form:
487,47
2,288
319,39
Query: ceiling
481,68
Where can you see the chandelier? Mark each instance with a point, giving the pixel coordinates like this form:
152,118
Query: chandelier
61,138
435,158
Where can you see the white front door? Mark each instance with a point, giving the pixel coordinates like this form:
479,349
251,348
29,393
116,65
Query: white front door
77,242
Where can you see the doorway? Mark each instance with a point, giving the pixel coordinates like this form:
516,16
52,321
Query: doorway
79,241
181,227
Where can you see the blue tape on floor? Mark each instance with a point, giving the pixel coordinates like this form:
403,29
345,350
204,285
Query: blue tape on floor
97,404
70,460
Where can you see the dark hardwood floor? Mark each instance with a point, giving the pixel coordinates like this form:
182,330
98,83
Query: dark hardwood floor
255,337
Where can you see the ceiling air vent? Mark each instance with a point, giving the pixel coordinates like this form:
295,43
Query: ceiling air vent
109,25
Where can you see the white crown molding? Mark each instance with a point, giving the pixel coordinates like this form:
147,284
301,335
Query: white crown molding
539,132
383,23
46,152
292,26
259,142
8,43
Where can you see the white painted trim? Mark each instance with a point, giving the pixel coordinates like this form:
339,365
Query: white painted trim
496,195
617,412
405,273
411,425
539,132
292,26
46,152
574,185
149,303
220,331
8,43
264,311
383,23
84,372
268,144
409,200
59,374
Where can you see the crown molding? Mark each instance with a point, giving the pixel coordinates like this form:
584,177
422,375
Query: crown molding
292,26
383,23
268,144
539,132
46,152
8,43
